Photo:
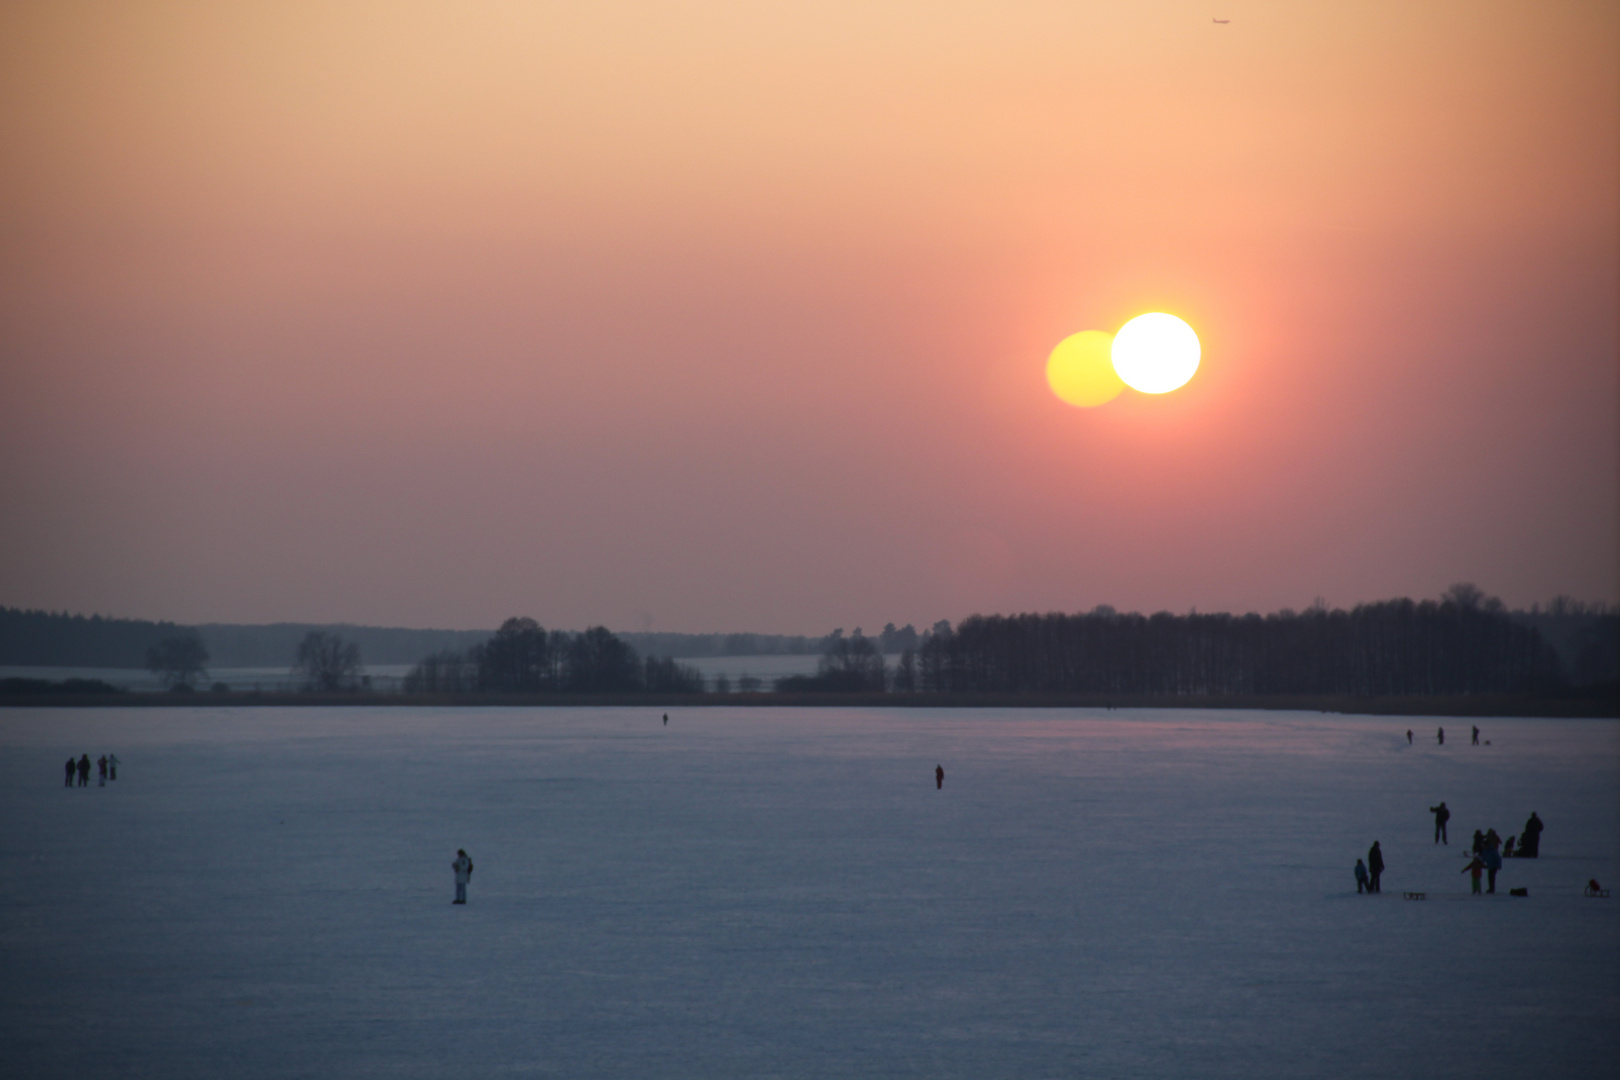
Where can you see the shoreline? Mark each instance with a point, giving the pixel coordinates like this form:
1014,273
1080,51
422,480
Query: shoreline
1480,705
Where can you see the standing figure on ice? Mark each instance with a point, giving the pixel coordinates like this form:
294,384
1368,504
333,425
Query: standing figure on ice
1441,816
1361,879
1375,867
1476,734
1474,867
463,867
1442,736
1408,736
101,763
112,766
1530,838
84,770
939,777
72,767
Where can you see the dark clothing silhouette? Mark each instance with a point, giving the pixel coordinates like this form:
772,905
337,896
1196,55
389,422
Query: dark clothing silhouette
1493,862
1441,816
666,719
1474,868
1408,736
1442,736
84,770
1530,838
101,764
72,767
1507,849
1361,879
1375,867
1476,734
939,777
1479,842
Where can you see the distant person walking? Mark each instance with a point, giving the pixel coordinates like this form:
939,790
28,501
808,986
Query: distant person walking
84,770
112,766
666,719
1475,865
72,767
1530,838
1493,862
939,777
463,866
1408,736
1361,879
1375,867
101,766
1442,736
1441,816
1476,734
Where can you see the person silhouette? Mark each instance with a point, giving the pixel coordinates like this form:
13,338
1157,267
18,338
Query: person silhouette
463,866
72,767
84,770
1530,838
1476,734
1375,867
1441,816
1442,736
939,777
1408,736
666,719
1362,885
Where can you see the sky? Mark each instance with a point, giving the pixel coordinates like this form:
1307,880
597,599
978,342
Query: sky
734,316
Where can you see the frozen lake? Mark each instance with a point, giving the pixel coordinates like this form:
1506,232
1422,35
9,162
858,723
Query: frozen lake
783,893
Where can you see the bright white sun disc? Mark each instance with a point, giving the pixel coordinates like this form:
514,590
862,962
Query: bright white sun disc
1155,353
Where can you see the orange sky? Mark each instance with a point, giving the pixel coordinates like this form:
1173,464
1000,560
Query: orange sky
734,315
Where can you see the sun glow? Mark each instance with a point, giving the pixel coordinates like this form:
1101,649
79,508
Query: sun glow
1081,369
1156,353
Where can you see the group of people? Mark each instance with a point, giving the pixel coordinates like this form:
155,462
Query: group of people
1440,736
80,767
1485,854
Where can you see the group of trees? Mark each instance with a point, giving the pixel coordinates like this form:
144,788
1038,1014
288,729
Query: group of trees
1462,644
325,663
525,658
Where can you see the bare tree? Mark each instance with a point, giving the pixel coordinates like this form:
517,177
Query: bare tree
178,660
327,663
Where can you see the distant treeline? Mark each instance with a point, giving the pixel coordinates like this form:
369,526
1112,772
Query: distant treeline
57,639
525,658
1463,643
893,640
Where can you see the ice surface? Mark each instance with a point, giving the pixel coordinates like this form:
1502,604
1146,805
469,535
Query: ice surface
783,893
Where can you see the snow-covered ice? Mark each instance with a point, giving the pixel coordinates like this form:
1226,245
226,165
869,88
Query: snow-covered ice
783,893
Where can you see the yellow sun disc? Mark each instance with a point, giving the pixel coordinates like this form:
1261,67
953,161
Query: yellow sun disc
1156,353
1081,371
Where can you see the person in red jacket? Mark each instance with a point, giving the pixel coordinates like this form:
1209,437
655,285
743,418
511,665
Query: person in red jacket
1476,867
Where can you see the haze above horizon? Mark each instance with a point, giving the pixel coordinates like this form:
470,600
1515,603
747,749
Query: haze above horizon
429,314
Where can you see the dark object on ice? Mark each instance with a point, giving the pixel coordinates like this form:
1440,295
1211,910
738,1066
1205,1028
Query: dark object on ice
101,765
1518,892
463,866
72,767
1442,736
1441,816
1475,866
1408,736
1476,734
1362,885
939,777
1507,848
1493,862
1594,889
1414,896
666,719
1375,867
84,770
1530,838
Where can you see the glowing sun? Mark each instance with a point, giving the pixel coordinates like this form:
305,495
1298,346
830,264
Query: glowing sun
1081,370
1156,353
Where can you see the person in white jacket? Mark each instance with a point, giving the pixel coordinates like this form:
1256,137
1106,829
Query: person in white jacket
463,866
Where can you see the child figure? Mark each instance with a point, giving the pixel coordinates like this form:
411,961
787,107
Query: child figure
1475,866
1361,878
